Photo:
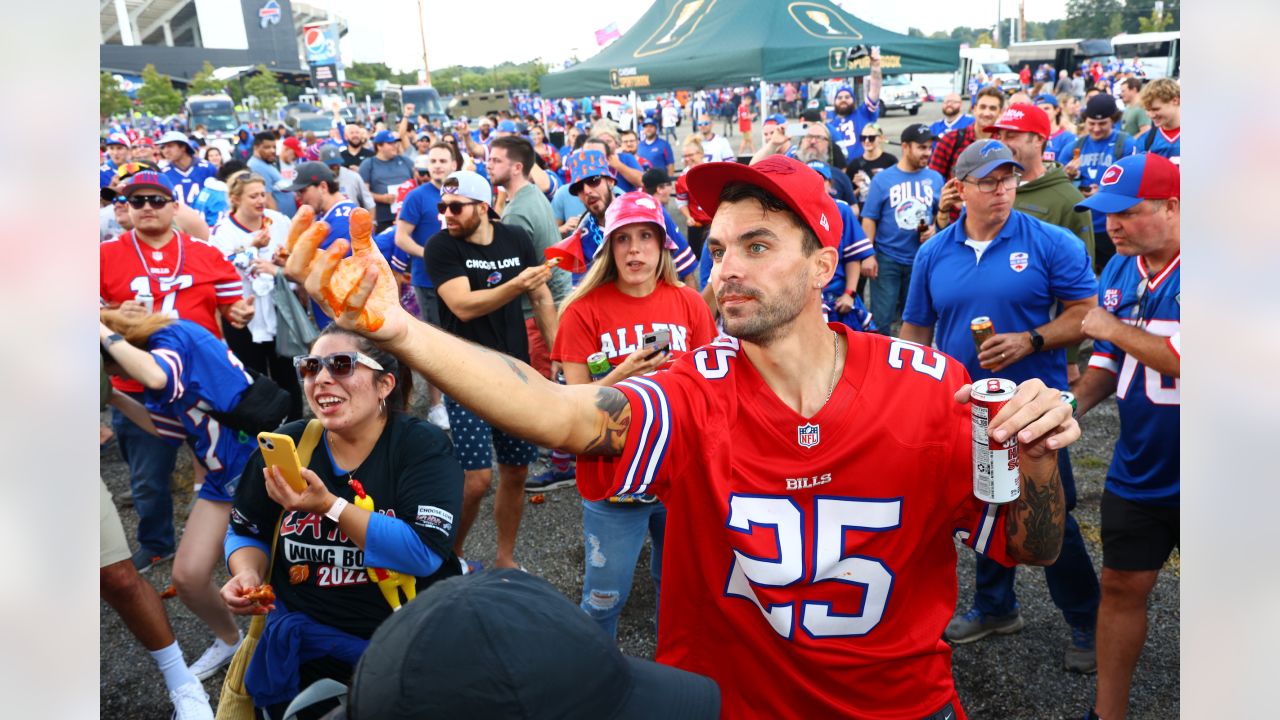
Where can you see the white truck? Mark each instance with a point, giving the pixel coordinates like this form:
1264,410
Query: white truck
985,60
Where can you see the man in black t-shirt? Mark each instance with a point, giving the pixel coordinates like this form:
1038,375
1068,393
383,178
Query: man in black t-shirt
357,149
481,269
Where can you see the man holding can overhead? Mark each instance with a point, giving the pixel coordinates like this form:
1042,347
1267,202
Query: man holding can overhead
1007,266
1137,354
836,556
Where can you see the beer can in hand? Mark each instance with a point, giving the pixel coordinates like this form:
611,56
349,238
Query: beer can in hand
982,328
1070,399
598,365
995,464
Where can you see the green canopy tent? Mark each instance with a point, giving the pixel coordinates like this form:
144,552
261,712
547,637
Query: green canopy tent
691,44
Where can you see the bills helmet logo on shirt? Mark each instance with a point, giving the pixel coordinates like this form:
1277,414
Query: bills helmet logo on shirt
1111,298
808,435
1018,261
494,278
1112,175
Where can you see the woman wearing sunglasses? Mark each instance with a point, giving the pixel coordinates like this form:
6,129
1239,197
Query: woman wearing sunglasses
326,607
188,375
249,236
632,286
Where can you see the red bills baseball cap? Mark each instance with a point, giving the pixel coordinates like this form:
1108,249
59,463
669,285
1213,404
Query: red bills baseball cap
631,208
797,185
1023,117
1131,180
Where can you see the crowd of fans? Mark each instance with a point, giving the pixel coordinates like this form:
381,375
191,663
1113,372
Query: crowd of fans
577,247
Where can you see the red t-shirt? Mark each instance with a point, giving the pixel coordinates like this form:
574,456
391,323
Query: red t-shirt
744,117
682,198
608,321
815,570
187,278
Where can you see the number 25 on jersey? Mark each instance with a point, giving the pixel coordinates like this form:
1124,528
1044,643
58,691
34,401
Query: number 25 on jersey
833,518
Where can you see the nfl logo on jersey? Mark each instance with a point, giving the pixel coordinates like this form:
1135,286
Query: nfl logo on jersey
808,435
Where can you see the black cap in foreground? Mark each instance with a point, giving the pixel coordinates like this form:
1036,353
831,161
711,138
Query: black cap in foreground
506,644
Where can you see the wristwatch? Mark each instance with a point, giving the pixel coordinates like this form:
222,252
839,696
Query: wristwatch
1037,340
110,340
335,510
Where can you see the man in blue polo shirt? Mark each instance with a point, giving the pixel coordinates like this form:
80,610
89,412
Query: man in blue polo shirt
418,220
654,149
1000,263
1137,354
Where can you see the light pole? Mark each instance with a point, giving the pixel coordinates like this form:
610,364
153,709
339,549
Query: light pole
422,33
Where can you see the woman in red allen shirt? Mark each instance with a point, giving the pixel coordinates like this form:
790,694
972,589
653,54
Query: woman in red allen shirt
631,291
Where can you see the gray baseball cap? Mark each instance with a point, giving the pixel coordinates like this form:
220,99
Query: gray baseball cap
330,154
470,185
983,156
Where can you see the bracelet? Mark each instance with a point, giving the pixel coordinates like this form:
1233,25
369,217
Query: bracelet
335,511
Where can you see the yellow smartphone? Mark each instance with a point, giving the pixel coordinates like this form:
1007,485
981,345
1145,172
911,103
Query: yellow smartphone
278,450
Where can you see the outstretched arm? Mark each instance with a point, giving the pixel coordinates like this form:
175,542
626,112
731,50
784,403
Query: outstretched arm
505,392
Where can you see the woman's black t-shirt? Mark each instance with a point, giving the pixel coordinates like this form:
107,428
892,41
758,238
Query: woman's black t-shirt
411,474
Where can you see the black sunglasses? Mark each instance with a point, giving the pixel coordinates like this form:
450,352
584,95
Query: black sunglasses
454,207
155,201
869,138
339,364
593,181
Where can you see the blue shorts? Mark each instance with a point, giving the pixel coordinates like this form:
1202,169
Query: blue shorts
220,486
475,441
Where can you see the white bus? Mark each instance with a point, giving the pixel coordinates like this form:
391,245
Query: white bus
1159,53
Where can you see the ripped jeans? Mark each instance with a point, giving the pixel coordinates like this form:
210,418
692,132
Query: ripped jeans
613,534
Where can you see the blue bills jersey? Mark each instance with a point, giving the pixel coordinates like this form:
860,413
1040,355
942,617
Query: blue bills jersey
201,374
1145,466
188,183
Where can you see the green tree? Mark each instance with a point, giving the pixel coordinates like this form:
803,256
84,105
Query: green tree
157,94
203,82
266,89
1093,18
915,32
112,100
1155,23
1139,16
984,39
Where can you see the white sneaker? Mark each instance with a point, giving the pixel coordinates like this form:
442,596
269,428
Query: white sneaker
191,702
214,658
438,416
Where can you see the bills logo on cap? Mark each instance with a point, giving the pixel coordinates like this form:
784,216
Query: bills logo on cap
1018,261
1111,298
808,435
1112,175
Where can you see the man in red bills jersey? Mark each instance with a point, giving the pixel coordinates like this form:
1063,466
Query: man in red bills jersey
814,476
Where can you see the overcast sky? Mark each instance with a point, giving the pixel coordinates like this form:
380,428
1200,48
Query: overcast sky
487,32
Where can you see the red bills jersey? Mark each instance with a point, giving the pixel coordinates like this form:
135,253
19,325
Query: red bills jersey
608,321
810,567
187,279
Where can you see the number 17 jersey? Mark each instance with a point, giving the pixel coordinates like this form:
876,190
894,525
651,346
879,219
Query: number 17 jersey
809,566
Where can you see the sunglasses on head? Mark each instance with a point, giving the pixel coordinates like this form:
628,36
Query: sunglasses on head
155,201
339,364
454,207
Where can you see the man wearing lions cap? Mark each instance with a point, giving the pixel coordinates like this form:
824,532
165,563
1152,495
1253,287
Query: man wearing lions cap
828,566
999,263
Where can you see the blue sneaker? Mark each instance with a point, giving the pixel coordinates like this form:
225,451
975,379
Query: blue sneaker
973,626
551,479
1081,655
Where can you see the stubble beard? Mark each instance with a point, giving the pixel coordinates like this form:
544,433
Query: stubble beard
771,319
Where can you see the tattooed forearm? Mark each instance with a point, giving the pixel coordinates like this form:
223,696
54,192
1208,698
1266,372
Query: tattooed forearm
1034,526
613,420
510,362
